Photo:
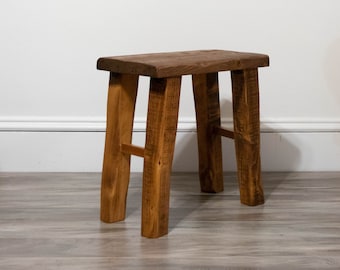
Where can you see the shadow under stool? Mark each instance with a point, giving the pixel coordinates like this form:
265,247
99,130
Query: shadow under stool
165,71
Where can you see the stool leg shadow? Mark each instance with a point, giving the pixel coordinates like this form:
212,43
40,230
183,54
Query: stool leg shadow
186,197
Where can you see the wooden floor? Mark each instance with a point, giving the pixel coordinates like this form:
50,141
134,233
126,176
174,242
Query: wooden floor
51,221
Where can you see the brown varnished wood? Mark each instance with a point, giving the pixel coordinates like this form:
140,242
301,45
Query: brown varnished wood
132,149
160,65
207,105
165,70
116,166
159,148
245,90
224,132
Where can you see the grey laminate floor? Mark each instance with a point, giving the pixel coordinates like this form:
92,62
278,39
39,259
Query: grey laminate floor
51,221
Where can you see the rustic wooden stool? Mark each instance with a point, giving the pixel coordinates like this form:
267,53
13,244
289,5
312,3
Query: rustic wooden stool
165,70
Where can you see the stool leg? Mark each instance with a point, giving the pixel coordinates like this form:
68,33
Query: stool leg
159,148
116,165
245,90
207,105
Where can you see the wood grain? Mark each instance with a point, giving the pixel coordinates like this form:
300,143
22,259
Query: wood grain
50,221
247,135
165,70
159,148
207,105
116,165
224,132
132,149
159,65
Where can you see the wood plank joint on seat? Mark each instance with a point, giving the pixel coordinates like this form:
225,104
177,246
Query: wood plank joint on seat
132,149
224,132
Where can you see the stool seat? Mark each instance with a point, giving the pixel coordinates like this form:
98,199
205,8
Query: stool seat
160,65
165,71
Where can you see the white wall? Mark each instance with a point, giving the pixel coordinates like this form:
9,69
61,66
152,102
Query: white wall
53,100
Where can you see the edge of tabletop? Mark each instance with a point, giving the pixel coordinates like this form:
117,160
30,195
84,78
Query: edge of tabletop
116,65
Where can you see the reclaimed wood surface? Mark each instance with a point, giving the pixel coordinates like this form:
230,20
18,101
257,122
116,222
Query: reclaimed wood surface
161,130
116,165
246,117
132,149
172,64
224,132
165,70
207,105
49,221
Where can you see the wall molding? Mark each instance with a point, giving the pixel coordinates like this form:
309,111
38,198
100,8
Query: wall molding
66,144
185,124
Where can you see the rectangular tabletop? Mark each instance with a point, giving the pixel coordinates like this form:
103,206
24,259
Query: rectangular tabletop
171,64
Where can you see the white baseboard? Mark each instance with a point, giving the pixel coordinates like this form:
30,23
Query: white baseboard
97,124
64,144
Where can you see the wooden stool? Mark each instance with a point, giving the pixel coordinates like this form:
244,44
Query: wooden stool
165,70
